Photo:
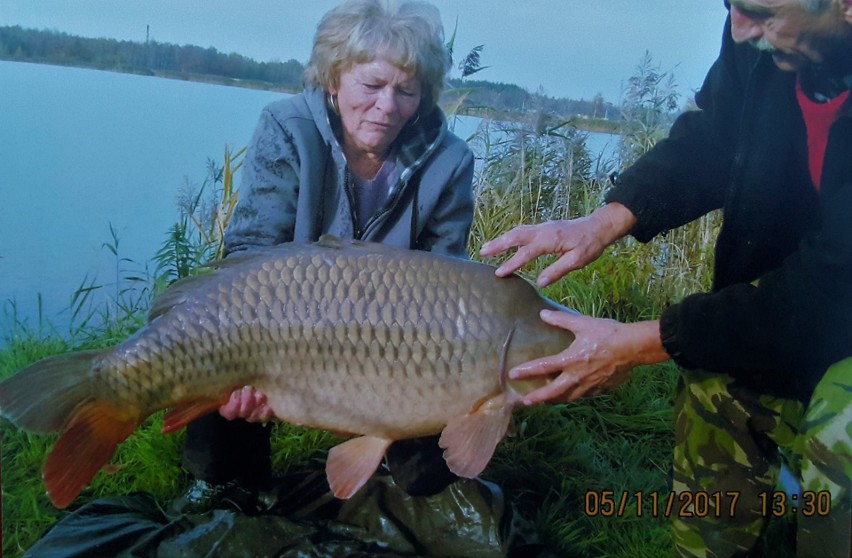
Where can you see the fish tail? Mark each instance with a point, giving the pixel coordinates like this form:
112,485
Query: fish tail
40,398
57,395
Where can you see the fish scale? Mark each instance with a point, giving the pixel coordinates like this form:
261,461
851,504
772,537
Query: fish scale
380,342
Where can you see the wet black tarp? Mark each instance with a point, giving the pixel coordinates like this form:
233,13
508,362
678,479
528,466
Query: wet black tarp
298,517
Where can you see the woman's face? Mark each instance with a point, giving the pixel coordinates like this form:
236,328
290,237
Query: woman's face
376,99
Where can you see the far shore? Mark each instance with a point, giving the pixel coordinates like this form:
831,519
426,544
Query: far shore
586,124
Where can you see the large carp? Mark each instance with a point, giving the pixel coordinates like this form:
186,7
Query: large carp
362,338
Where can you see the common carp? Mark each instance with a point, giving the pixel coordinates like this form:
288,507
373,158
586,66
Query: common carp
375,341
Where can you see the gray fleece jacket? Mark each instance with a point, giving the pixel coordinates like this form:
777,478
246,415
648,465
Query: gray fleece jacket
293,184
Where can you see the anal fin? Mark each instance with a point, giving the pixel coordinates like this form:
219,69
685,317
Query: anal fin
187,411
352,463
469,441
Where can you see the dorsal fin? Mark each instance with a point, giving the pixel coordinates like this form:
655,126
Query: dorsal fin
331,241
337,243
175,294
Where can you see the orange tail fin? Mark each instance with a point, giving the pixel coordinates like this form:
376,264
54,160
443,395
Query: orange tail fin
56,395
86,444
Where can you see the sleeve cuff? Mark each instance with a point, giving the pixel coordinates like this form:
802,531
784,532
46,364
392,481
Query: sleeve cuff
669,337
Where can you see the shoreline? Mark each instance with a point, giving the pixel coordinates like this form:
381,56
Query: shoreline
584,124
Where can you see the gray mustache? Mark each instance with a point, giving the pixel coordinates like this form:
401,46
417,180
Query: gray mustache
764,46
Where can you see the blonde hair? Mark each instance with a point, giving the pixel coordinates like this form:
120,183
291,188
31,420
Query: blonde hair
408,33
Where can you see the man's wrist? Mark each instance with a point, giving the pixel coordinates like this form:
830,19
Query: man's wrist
615,221
649,348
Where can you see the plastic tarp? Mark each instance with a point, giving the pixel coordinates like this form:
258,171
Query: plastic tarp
298,517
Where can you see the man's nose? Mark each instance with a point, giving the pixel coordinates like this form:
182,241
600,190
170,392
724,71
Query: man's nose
743,27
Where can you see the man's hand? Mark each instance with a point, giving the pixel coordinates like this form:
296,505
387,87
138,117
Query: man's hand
577,242
600,358
246,403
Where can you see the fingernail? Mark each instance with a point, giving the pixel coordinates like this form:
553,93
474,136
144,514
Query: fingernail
543,282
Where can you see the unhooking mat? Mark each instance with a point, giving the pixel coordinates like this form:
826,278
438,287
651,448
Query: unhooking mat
300,518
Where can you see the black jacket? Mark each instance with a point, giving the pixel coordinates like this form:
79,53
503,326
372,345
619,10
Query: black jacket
781,307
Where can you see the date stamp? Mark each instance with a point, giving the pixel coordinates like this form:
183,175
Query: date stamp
608,503
698,504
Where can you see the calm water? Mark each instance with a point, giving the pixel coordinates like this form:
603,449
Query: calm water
83,149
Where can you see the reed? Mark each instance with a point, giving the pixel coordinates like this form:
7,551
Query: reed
199,236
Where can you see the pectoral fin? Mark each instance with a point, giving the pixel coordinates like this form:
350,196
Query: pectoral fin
469,441
352,463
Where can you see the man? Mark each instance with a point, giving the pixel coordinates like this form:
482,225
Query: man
765,355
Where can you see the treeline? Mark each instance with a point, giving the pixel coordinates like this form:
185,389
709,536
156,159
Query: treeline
194,62
150,57
490,97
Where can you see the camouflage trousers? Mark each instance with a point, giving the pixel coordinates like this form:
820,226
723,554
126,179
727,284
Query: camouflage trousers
728,443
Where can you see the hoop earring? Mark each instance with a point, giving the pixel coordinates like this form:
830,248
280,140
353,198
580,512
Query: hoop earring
331,101
414,122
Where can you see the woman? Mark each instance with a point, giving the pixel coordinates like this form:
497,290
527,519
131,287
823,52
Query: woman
364,152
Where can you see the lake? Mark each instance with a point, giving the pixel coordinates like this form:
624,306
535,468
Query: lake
84,150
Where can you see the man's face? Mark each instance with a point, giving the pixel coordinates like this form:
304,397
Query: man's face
795,36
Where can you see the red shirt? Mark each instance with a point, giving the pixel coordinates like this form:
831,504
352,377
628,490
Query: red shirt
818,119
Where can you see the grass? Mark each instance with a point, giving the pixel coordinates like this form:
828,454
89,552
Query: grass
619,442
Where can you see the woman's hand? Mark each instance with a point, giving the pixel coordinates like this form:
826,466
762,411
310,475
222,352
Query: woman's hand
601,357
577,242
246,403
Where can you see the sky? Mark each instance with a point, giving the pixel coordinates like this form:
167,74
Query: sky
564,48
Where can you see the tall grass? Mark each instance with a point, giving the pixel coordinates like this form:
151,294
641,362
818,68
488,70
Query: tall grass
199,236
540,170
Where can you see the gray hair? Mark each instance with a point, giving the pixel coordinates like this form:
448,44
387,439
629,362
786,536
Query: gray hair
408,32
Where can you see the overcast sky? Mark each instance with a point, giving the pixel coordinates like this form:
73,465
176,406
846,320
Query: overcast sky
569,48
